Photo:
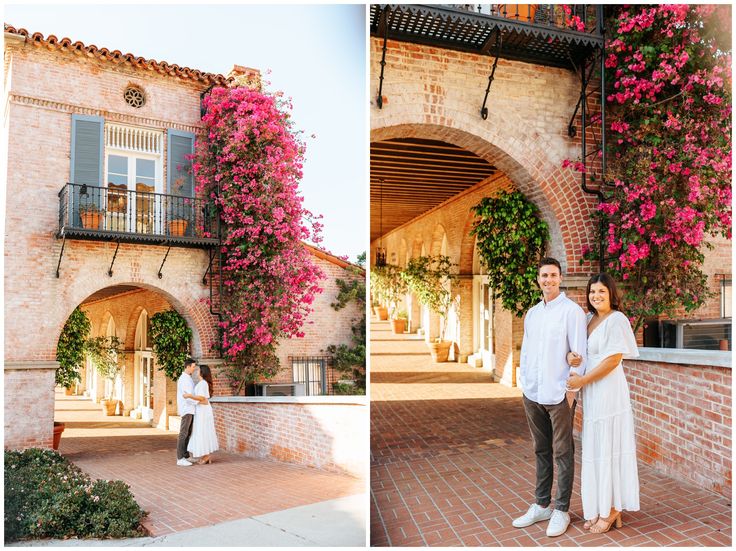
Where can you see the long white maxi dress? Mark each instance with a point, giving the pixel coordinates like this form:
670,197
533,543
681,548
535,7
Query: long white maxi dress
609,475
204,438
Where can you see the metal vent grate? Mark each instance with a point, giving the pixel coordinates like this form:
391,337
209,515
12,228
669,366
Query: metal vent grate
134,97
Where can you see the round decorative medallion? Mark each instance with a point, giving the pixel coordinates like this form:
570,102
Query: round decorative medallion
134,96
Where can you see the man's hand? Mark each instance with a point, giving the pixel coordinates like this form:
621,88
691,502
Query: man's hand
574,359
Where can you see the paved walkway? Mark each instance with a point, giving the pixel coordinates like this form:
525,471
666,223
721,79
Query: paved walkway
233,487
452,464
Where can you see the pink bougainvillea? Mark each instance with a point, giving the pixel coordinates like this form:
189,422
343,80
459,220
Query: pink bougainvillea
249,164
668,186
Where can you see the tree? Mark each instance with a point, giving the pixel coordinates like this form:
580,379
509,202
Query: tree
248,163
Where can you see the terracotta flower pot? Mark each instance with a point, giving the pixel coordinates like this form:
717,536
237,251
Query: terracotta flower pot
440,351
58,429
178,227
382,313
68,392
109,406
91,220
398,326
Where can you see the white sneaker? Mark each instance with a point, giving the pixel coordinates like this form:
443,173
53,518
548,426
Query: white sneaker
534,514
558,523
183,463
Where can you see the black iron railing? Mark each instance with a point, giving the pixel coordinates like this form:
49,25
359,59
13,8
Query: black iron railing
535,33
105,213
548,15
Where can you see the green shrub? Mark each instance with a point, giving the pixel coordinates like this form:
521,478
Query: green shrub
47,496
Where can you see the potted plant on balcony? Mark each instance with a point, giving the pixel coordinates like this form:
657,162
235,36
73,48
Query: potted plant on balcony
91,215
431,279
177,222
107,355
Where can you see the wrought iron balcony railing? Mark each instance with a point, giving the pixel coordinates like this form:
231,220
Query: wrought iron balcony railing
548,15
112,214
535,33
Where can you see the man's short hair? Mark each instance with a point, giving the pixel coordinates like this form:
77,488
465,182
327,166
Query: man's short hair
188,362
549,261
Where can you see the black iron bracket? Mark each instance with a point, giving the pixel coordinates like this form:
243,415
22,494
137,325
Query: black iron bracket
571,129
58,265
160,275
499,42
382,26
109,272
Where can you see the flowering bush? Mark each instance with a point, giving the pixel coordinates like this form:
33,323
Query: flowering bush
249,164
669,151
47,496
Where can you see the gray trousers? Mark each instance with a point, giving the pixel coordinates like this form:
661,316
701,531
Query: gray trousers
551,428
185,432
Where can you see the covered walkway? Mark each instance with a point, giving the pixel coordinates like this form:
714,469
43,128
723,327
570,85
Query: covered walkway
181,498
452,464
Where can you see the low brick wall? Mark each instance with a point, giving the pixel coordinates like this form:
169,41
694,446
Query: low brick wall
682,414
29,404
326,432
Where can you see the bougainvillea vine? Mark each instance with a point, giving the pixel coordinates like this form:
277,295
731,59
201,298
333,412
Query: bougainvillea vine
250,163
668,183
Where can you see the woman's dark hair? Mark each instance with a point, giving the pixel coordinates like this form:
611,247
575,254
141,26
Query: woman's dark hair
610,284
206,374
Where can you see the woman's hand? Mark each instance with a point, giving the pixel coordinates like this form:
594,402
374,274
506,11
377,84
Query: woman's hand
575,382
574,359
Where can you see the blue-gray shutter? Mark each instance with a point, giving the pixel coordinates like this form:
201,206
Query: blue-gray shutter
180,145
86,163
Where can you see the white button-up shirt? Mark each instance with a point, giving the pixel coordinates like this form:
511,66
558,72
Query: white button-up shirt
185,385
551,330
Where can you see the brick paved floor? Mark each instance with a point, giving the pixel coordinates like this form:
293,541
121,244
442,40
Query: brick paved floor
180,498
452,464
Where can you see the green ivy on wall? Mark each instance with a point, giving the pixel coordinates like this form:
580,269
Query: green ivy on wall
70,348
170,336
512,238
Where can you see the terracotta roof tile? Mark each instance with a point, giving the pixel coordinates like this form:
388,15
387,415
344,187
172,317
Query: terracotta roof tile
116,56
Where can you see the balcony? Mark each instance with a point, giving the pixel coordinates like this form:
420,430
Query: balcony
122,215
534,33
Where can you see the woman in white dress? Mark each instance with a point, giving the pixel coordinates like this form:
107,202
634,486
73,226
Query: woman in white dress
204,438
609,478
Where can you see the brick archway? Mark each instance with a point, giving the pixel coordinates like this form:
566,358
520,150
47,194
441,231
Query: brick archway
555,191
196,313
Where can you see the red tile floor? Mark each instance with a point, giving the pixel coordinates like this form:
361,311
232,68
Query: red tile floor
452,464
180,498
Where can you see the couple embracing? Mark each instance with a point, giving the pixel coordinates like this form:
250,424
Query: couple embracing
197,437
562,352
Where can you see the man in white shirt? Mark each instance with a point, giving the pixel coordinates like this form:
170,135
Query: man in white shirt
185,409
552,328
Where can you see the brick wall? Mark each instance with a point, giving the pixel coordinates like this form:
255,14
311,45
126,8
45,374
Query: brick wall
436,94
682,418
29,414
329,436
